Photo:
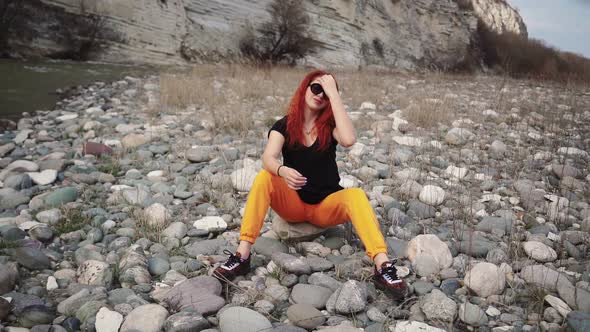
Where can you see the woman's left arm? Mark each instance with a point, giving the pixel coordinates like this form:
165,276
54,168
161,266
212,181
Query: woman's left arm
344,131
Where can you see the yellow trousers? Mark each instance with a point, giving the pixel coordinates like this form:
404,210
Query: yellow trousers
347,204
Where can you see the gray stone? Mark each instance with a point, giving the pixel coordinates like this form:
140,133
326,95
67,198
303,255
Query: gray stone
348,299
176,230
20,301
419,210
299,231
317,296
158,266
319,264
489,224
472,315
36,315
4,308
41,233
578,321
422,287
145,318
437,306
200,294
306,316
240,319
186,322
267,246
8,277
119,295
291,263
324,280
10,198
32,258
206,247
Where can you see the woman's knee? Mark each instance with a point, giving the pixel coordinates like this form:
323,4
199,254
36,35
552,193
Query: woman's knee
356,193
263,178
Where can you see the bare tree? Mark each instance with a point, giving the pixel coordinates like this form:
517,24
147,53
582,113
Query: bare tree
282,39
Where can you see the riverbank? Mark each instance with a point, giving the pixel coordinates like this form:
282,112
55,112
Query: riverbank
31,85
481,186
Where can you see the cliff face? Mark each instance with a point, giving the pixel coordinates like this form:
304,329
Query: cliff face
401,33
500,16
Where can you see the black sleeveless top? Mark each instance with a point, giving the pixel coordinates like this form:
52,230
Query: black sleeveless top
319,167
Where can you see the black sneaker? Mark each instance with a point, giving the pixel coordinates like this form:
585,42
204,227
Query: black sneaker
387,280
233,267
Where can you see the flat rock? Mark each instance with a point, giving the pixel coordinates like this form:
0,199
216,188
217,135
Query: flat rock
306,316
485,279
539,251
145,318
240,319
317,296
201,294
291,264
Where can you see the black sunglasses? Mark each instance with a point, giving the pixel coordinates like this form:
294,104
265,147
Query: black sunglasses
316,89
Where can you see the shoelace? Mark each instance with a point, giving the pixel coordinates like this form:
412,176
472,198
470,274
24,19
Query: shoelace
232,261
390,273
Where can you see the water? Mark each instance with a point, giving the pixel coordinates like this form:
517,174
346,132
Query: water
28,86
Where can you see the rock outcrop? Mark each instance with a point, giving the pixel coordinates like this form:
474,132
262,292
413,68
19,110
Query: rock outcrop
499,16
402,34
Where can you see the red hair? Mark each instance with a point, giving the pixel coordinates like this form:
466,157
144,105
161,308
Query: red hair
324,123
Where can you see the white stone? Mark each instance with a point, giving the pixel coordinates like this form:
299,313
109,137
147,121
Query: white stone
347,181
572,151
357,150
67,116
43,178
412,326
157,215
210,224
51,283
430,245
490,113
96,273
539,251
368,106
457,172
436,144
107,320
491,198
242,179
432,195
22,136
145,318
408,140
485,279
558,304
493,311
113,143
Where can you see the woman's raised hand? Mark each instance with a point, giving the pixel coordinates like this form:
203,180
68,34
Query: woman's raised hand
293,178
328,83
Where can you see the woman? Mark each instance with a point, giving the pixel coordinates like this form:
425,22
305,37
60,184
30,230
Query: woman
305,187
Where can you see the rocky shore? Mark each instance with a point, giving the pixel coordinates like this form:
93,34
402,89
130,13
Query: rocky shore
113,215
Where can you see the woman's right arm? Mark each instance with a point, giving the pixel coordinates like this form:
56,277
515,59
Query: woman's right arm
272,151
270,162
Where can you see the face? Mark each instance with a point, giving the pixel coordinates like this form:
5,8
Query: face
315,102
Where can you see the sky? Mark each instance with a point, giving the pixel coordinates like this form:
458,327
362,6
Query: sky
564,24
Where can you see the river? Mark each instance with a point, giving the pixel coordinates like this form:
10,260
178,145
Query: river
28,86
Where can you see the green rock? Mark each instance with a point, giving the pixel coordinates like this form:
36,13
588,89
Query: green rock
61,196
267,246
89,309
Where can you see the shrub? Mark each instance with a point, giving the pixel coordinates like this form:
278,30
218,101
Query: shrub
283,38
522,57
